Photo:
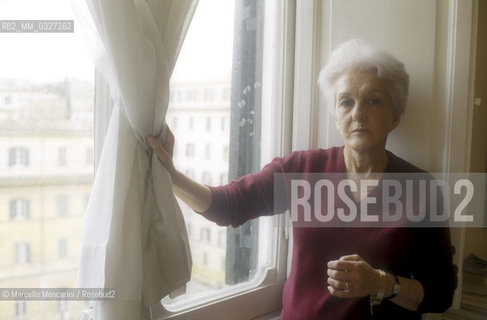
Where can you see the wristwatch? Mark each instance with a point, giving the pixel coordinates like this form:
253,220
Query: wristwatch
396,288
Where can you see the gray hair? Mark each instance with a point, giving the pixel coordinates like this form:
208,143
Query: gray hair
356,54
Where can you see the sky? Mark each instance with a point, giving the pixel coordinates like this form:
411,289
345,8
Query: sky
42,56
49,57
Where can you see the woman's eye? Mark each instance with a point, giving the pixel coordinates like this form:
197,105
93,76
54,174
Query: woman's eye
346,103
374,101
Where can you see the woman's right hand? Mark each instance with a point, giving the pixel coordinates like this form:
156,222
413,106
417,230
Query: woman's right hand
194,194
165,152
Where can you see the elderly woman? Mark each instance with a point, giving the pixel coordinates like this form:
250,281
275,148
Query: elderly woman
343,273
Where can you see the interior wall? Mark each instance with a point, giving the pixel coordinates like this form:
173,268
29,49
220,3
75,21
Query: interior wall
476,239
407,29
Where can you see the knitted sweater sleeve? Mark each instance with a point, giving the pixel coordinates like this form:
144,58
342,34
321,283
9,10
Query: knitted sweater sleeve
254,195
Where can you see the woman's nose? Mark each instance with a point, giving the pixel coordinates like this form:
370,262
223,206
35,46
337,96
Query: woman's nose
359,111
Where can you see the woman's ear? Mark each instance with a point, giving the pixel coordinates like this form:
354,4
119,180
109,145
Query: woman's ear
395,120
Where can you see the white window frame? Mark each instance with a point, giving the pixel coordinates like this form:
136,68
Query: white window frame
18,156
20,309
263,295
22,253
62,248
19,209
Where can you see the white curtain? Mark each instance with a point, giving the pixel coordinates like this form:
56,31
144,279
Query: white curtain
134,238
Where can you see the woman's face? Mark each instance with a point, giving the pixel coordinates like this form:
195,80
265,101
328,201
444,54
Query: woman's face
363,111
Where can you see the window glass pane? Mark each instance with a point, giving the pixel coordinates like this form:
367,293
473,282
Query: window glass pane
216,92
46,157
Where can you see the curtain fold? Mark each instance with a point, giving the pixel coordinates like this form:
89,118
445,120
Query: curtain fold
134,237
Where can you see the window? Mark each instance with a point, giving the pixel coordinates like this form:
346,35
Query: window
205,235
225,153
206,178
61,156
190,150
192,95
239,125
223,178
222,238
62,248
62,205
19,209
209,94
18,156
46,124
90,156
223,124
20,309
208,152
208,123
22,253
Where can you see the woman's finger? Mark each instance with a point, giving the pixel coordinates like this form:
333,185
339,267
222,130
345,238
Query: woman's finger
341,265
337,284
163,156
339,275
351,257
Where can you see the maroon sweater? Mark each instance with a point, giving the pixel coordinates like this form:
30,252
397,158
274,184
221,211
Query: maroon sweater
422,253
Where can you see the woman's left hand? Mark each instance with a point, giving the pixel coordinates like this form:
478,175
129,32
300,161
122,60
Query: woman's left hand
352,277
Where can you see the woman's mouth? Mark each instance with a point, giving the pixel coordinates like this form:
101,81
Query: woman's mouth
360,130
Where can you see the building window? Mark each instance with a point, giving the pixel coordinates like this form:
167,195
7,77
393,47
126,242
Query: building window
62,248
207,152
226,94
20,308
225,153
22,253
205,258
174,123
222,238
224,121
63,308
205,235
61,156
223,178
62,205
192,94
7,100
209,95
190,123
206,178
19,209
90,156
190,150
208,124
18,156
